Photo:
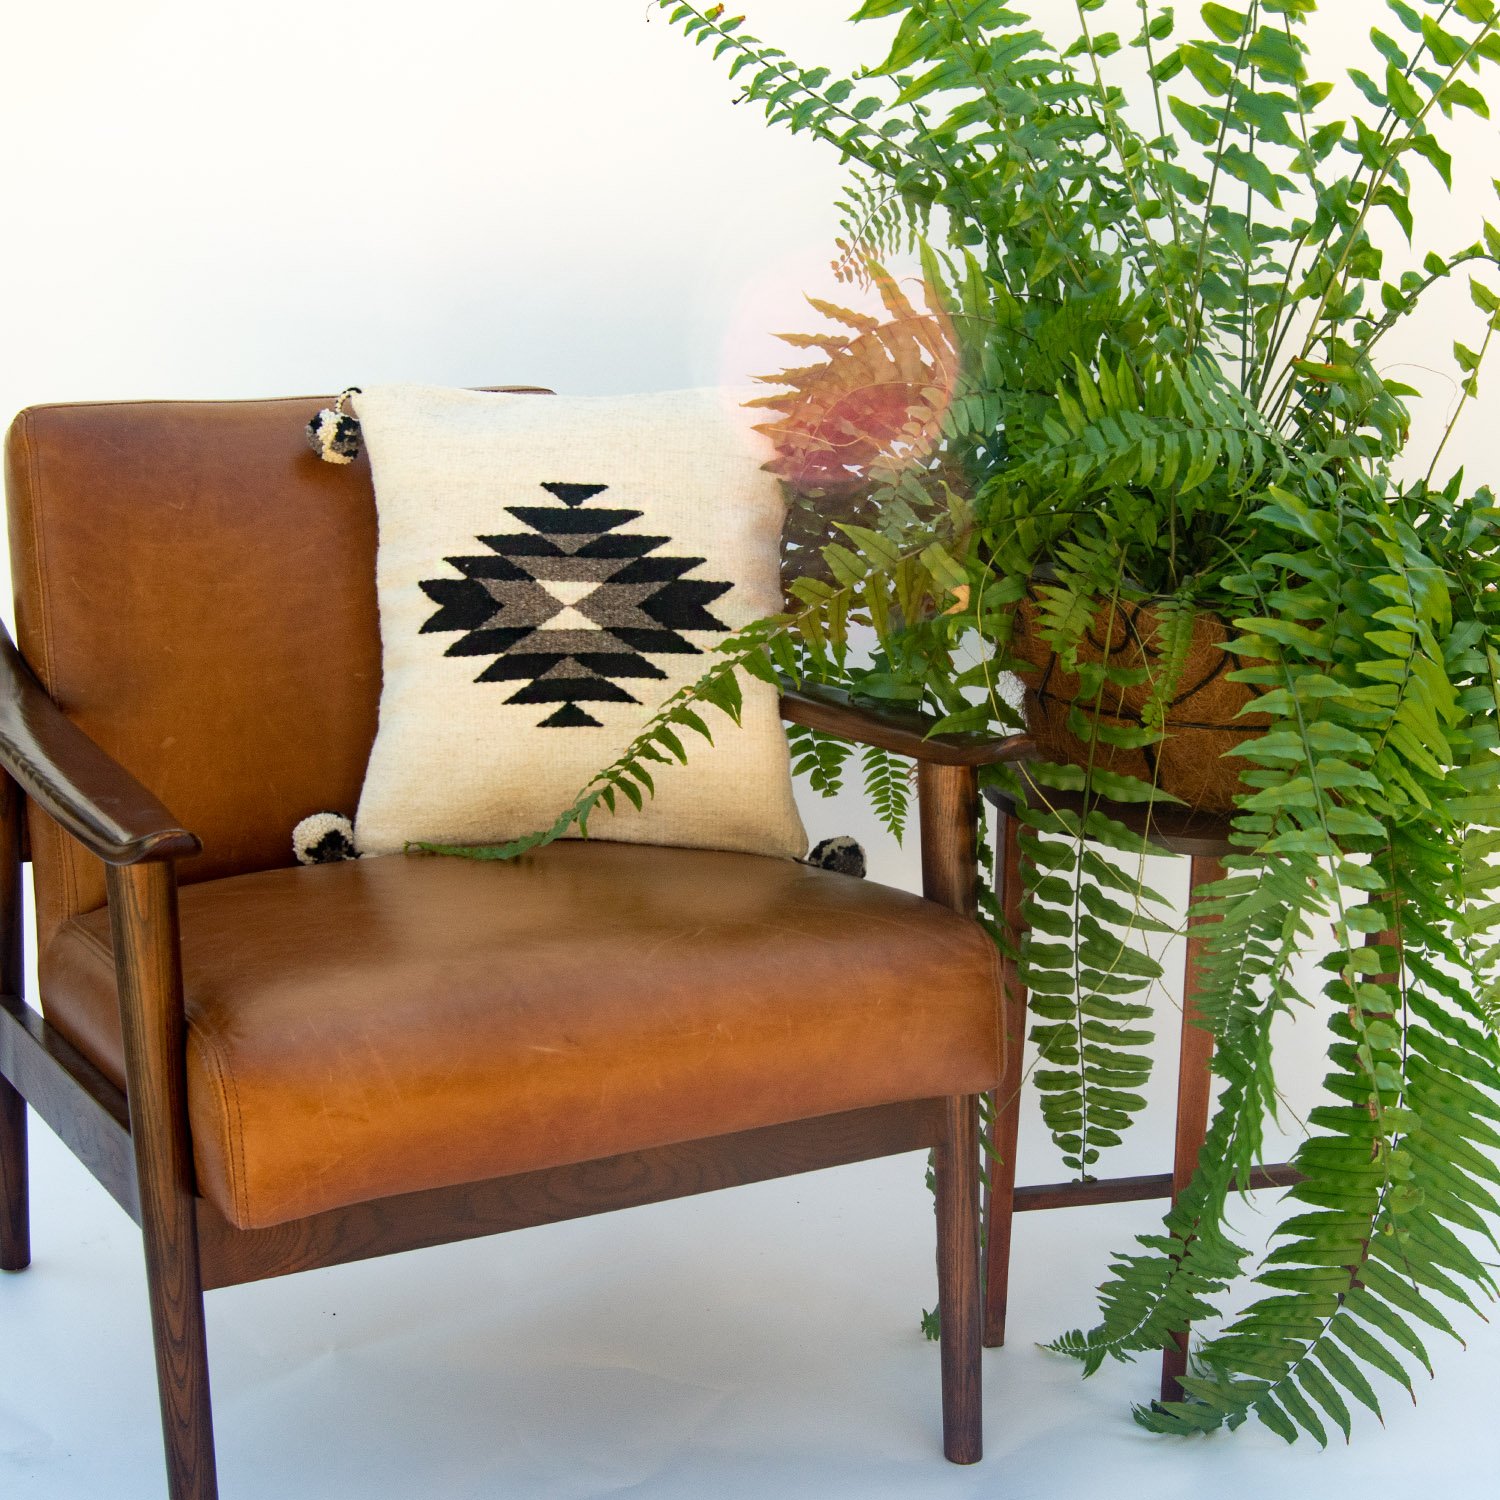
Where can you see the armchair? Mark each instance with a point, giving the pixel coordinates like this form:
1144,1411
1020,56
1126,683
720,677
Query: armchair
273,1068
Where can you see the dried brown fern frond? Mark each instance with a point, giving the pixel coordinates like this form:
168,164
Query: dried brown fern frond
872,407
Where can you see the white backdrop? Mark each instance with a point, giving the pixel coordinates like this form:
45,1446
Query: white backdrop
250,200
235,201
256,200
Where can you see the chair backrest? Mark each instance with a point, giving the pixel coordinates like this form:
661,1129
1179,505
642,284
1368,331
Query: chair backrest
196,590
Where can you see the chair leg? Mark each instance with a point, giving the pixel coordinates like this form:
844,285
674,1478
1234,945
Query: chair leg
15,1195
15,1187
949,797
177,1325
957,1170
1194,1084
143,917
1005,1115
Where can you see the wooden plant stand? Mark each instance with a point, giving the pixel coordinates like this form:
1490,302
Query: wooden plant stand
1204,839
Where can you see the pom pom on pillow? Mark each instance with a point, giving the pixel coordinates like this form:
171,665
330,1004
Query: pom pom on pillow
324,838
333,434
844,855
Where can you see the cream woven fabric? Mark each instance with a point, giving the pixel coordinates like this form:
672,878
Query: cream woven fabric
550,570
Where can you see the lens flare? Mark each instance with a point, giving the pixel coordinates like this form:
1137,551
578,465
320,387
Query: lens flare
873,401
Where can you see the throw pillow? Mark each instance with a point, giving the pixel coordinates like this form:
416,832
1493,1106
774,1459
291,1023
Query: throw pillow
550,569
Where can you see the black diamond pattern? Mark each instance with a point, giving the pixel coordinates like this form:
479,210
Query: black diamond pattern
572,606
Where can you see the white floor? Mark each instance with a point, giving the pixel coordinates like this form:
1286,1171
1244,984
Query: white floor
754,1343
757,1344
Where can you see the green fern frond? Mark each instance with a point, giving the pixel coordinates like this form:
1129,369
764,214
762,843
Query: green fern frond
819,758
888,783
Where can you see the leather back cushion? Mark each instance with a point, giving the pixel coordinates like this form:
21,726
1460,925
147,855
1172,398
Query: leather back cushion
196,590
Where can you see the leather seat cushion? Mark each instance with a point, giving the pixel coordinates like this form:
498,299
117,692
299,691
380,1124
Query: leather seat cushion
383,1026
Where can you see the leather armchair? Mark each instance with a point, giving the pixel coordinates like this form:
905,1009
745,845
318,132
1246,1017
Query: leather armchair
274,1068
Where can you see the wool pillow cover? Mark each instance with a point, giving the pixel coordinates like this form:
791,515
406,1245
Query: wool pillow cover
550,569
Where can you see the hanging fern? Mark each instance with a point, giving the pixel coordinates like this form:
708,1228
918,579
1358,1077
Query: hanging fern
1086,978
1139,383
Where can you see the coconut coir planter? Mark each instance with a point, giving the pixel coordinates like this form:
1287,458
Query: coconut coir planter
1204,716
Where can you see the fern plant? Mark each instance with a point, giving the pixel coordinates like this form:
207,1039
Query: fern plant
1160,261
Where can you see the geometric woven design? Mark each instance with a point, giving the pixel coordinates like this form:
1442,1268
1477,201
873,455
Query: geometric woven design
570,608
513,672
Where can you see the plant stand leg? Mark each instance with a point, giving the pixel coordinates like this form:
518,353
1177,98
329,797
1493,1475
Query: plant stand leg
1005,1115
1193,1087
957,1170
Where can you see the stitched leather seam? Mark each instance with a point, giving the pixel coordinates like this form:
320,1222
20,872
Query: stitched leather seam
234,1133
65,854
102,951
97,943
38,544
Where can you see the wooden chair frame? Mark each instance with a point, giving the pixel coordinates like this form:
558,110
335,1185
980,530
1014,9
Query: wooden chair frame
137,1143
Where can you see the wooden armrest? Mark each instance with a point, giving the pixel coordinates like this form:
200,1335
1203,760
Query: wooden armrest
899,730
73,781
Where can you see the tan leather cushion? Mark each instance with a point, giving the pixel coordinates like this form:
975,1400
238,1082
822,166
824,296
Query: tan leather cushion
196,590
371,1028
